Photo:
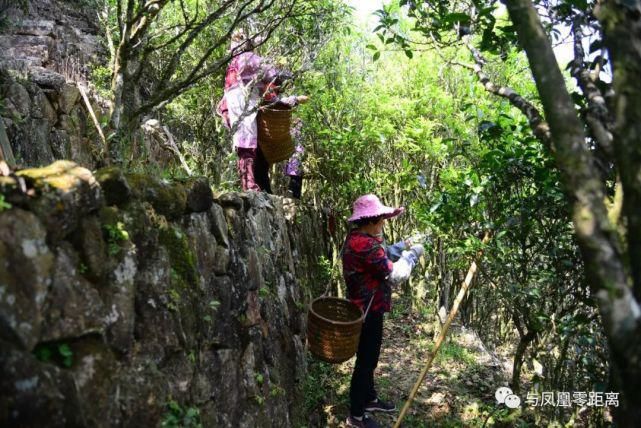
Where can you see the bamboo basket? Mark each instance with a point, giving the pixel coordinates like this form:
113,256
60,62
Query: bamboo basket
334,329
274,138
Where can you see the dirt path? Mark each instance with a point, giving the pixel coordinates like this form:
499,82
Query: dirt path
458,390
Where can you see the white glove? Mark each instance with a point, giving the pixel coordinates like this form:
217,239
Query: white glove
410,257
417,238
418,250
403,267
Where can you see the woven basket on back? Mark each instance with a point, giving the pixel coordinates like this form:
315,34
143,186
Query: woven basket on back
274,138
333,329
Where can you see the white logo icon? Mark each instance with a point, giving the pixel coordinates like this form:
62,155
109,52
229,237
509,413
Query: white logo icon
512,401
504,395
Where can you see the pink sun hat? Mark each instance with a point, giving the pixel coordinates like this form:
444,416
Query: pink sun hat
370,206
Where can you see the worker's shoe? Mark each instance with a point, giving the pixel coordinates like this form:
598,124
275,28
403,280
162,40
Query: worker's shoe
364,422
379,405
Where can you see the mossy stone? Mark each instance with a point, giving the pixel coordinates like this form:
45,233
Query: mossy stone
109,215
11,190
199,194
55,168
7,184
168,199
114,185
183,261
184,279
64,193
93,248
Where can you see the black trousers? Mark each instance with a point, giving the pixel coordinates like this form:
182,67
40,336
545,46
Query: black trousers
362,389
262,172
296,185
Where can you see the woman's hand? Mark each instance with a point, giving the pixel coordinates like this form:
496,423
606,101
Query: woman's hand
302,99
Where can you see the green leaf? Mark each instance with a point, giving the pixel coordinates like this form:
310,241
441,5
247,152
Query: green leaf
459,17
192,413
580,4
3,204
174,407
409,53
43,353
377,55
65,350
596,45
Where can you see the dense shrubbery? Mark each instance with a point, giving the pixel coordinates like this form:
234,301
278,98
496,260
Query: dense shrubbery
423,134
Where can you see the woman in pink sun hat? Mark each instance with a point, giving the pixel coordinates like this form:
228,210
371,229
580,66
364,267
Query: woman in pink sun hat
369,206
370,268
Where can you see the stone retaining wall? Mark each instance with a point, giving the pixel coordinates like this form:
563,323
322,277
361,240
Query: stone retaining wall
126,300
45,48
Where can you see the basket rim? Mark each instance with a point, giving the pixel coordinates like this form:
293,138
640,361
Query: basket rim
311,309
275,107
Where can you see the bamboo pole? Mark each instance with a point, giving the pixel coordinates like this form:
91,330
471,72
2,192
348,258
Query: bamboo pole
171,143
444,330
6,153
83,93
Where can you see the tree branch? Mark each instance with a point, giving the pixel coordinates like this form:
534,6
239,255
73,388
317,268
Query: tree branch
170,69
538,125
597,116
199,72
622,28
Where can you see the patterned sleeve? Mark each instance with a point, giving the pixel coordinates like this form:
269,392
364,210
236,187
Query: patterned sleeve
291,101
380,265
248,65
394,251
269,71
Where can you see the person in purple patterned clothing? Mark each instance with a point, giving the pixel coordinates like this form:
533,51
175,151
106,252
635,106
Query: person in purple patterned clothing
245,81
294,167
249,81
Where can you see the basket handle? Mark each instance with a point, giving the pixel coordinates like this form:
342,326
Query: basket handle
369,305
326,293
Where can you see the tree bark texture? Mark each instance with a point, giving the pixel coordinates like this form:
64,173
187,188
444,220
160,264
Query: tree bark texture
597,117
621,23
596,236
519,355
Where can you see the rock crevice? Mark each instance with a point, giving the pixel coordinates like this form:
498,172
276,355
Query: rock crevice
126,300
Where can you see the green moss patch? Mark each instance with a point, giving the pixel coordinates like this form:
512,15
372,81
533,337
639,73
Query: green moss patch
168,199
182,258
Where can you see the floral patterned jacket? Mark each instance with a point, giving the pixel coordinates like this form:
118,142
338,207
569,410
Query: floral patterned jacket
366,265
